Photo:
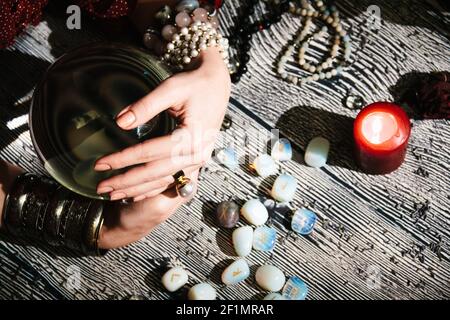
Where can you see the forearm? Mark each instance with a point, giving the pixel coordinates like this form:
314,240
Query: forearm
37,209
213,60
8,173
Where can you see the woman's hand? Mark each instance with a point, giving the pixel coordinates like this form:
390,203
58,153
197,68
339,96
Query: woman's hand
127,223
198,99
124,223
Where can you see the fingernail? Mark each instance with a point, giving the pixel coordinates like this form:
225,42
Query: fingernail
118,195
102,167
126,120
104,190
136,199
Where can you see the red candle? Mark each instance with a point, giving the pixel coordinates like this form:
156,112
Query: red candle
381,132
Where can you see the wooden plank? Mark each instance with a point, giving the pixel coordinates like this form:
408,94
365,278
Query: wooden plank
350,238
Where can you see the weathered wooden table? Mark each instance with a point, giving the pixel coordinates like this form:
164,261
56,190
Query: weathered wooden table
378,237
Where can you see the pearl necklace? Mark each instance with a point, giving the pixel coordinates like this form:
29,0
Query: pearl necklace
330,17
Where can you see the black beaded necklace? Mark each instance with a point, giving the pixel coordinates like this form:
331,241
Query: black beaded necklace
246,29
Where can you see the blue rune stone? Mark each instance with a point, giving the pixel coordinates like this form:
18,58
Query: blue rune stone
264,238
282,150
303,221
295,289
228,158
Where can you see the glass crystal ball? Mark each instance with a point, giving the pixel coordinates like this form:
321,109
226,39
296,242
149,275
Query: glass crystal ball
73,111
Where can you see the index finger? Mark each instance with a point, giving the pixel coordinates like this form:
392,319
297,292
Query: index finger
158,100
178,143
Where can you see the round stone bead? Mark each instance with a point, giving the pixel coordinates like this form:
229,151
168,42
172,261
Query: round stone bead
243,240
284,187
202,291
151,41
227,214
200,14
159,48
228,158
236,272
270,278
174,279
227,122
163,15
187,5
282,150
264,238
274,296
354,102
214,22
210,8
316,153
265,165
295,289
183,19
303,221
168,31
255,212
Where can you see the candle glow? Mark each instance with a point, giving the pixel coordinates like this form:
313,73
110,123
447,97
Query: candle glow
379,127
381,132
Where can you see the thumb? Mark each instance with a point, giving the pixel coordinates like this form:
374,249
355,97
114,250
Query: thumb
148,107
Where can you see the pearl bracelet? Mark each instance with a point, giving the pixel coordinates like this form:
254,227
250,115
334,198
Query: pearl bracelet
189,41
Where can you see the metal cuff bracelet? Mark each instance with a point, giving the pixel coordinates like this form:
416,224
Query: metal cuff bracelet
39,208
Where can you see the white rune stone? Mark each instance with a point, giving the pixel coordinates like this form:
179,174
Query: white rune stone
202,291
316,153
284,187
265,165
236,272
255,212
243,240
282,150
270,278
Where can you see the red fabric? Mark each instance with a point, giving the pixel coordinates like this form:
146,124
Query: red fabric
432,97
108,8
217,3
16,15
